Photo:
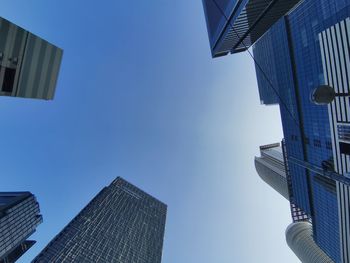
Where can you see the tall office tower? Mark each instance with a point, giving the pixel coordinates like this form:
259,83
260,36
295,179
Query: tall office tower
270,167
19,217
303,50
29,65
234,25
310,48
121,224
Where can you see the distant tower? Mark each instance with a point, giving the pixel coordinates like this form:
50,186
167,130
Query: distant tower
19,216
121,224
29,65
270,167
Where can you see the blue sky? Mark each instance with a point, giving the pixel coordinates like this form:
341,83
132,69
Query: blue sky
140,97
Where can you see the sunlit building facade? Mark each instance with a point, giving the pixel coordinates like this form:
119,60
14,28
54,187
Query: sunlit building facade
310,47
270,168
121,224
294,54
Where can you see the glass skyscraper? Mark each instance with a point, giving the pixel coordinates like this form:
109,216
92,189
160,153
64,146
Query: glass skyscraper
270,167
303,50
310,48
234,25
121,224
19,217
29,65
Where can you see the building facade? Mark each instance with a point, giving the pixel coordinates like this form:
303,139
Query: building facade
234,25
298,52
29,65
19,217
121,224
270,168
310,48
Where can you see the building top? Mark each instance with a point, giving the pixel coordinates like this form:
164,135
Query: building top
121,223
135,191
234,25
10,199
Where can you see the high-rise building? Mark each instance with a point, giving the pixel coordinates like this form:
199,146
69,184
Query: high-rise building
300,239
310,48
19,217
270,168
234,25
303,50
121,224
29,65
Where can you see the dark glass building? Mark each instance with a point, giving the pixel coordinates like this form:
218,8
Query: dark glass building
234,25
19,217
121,224
29,65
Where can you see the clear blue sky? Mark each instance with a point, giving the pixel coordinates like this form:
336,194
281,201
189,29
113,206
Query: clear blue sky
140,97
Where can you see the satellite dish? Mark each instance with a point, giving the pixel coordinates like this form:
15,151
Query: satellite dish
322,95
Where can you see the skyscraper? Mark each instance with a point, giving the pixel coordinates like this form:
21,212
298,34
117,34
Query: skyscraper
303,50
121,224
310,48
19,217
270,167
234,25
29,65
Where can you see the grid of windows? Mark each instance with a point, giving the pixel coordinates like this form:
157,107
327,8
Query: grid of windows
121,224
18,220
302,119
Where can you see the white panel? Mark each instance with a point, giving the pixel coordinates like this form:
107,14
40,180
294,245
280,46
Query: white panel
346,51
337,104
331,61
338,81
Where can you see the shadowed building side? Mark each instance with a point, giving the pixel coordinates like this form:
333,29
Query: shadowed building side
300,239
29,65
19,217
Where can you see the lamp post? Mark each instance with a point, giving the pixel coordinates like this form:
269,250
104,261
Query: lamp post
324,95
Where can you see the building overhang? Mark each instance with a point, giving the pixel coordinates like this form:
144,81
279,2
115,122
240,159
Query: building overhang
245,24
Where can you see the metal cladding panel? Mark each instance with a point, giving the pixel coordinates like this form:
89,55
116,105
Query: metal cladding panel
29,64
248,21
39,72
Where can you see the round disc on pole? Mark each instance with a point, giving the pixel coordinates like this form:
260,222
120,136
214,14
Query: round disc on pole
322,95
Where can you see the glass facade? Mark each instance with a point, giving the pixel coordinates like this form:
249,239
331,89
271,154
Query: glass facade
121,224
19,217
295,56
234,25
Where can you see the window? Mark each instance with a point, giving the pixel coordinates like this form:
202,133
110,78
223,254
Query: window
9,79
